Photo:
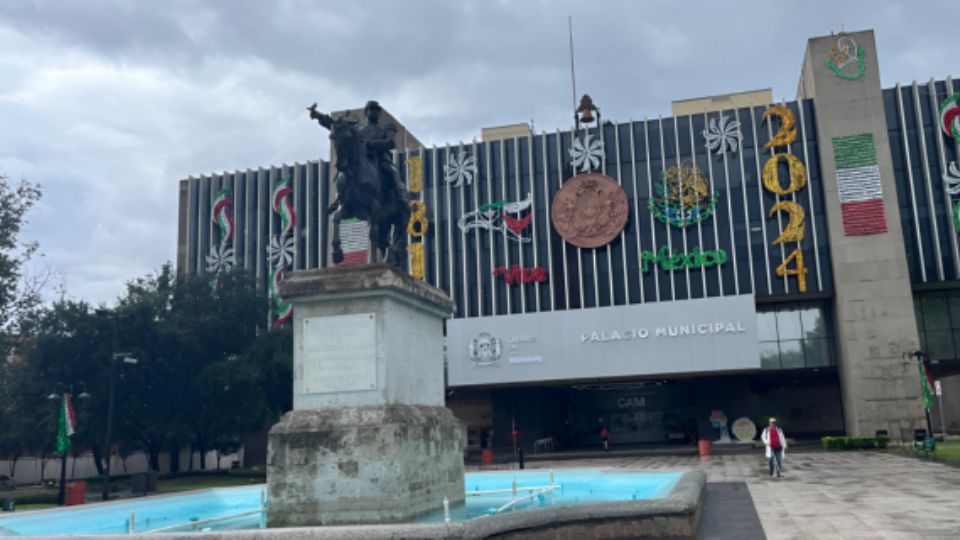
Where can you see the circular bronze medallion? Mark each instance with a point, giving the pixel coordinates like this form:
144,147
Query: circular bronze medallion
590,210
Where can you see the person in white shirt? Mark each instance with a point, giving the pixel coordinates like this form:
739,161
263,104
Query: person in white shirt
776,443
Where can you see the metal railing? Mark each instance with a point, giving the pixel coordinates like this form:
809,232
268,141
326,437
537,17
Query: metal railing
196,524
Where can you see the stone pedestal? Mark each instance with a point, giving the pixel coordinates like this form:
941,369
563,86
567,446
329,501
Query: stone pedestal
369,439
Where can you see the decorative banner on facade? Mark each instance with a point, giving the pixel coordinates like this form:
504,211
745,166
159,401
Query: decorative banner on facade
355,239
723,136
950,116
787,133
680,261
590,210
516,274
683,196
221,257
844,53
858,185
281,249
510,217
586,153
952,180
414,174
459,169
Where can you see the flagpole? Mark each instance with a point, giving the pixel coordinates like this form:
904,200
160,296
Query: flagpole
62,496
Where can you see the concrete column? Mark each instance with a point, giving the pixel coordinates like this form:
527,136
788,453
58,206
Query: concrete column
875,322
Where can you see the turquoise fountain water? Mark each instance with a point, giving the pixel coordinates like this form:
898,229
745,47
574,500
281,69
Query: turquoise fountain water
487,493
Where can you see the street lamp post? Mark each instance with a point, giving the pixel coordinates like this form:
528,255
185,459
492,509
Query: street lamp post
105,495
127,359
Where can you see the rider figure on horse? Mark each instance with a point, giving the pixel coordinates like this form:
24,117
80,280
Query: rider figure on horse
367,184
378,141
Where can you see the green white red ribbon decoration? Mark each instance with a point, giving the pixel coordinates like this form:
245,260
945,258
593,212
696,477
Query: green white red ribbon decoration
221,257
496,216
950,116
280,251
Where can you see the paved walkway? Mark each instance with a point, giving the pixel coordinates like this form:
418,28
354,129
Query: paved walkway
824,494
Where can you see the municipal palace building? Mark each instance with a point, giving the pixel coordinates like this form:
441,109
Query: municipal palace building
740,259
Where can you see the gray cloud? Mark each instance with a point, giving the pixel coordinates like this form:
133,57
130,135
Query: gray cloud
109,103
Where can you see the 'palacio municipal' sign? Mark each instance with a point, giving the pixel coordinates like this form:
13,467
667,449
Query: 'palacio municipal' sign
712,334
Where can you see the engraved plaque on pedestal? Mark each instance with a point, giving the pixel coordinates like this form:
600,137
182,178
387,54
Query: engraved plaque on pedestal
339,353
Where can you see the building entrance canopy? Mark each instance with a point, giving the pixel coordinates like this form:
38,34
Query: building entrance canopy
703,335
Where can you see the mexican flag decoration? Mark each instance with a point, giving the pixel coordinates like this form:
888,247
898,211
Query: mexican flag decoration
858,185
68,421
355,234
926,385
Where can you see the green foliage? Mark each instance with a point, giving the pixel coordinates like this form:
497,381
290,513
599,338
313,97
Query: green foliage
853,443
17,294
207,369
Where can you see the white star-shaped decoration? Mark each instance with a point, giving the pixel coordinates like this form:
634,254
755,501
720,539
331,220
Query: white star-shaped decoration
459,169
723,136
586,154
220,259
280,251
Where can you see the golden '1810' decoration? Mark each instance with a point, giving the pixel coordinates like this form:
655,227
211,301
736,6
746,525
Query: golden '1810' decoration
787,132
415,174
771,176
416,260
799,270
417,225
793,232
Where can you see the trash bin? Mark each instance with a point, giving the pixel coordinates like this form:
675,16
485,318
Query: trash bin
76,493
486,456
8,505
151,481
139,483
705,447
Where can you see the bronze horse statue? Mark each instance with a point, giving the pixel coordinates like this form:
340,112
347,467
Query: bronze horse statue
367,186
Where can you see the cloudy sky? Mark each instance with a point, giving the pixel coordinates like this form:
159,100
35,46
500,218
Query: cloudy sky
108,104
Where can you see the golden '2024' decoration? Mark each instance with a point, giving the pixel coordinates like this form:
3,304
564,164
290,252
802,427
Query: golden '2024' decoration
771,176
787,132
793,232
798,270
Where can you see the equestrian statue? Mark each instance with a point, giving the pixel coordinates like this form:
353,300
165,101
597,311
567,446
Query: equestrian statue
368,186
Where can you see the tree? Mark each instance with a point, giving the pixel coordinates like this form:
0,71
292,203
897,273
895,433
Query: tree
17,292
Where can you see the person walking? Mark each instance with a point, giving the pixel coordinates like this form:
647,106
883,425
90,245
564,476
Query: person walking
776,442
605,438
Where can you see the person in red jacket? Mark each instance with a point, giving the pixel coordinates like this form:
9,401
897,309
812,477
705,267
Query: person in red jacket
776,443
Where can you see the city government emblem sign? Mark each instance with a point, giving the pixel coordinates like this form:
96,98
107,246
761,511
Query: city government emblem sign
590,210
484,350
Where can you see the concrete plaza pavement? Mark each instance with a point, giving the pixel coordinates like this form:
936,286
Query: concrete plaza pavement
826,495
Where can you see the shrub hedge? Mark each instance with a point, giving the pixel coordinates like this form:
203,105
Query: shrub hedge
853,443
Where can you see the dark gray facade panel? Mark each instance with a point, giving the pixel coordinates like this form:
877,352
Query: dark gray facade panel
921,153
463,262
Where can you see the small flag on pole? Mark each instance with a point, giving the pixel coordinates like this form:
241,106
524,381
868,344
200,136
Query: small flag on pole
926,385
68,421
